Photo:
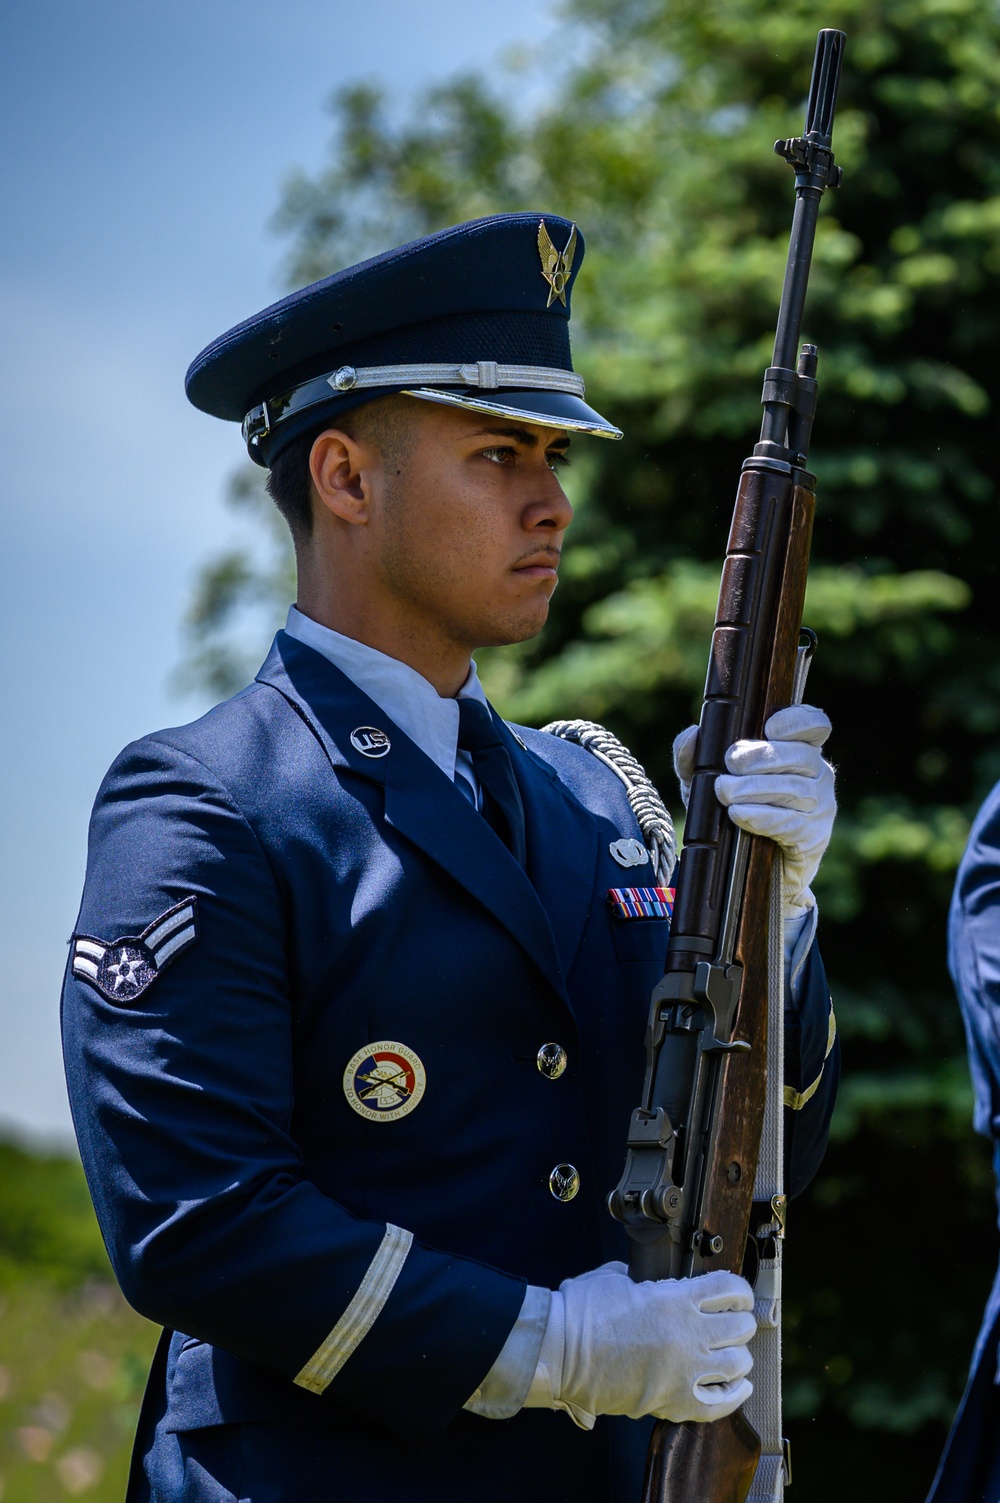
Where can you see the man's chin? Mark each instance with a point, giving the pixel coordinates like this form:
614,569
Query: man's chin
519,627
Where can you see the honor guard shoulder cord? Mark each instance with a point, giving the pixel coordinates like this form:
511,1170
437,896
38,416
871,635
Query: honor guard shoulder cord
647,805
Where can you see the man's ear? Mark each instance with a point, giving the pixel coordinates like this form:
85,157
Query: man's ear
340,468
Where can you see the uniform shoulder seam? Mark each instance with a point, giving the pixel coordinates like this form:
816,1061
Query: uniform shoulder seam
160,738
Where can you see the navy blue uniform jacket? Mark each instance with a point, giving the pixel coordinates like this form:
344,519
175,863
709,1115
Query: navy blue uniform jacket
342,900
972,1455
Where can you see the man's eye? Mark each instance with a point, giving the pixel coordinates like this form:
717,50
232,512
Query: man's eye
502,455
556,459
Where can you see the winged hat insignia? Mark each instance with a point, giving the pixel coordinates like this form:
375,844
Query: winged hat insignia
557,266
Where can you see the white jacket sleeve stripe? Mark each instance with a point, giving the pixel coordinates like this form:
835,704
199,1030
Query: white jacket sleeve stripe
361,1314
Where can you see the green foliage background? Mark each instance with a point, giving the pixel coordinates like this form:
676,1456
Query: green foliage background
651,126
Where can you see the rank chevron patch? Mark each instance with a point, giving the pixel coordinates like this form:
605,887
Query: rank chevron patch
122,969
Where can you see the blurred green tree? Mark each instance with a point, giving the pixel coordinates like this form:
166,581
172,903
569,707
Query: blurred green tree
650,123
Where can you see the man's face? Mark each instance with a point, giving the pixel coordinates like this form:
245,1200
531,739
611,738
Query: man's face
466,526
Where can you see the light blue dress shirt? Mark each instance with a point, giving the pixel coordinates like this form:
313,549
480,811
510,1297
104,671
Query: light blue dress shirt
430,720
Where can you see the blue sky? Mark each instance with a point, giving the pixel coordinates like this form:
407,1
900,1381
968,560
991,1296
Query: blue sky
144,148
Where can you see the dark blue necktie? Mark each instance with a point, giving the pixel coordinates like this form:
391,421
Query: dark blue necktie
502,806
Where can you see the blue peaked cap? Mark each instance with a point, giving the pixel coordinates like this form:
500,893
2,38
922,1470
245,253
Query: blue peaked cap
475,316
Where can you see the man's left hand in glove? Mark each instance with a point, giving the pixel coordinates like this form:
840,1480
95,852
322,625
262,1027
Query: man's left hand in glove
782,788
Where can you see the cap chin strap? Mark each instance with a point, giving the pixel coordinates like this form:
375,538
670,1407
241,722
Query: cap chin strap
488,375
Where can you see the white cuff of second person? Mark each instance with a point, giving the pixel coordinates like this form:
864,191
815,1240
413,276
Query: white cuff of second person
799,934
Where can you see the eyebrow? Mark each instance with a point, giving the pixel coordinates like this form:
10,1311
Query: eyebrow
522,436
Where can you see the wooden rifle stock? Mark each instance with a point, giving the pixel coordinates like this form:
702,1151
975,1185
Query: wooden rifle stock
686,1194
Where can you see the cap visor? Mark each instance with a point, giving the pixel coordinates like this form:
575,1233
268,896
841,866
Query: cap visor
549,409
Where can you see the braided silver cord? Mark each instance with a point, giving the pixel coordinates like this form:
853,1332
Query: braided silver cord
647,806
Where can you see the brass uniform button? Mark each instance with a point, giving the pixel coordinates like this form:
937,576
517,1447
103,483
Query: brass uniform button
552,1060
564,1181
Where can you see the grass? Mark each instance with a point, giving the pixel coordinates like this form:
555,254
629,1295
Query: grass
73,1356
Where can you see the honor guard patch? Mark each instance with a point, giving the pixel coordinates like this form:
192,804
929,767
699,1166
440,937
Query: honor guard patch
384,1081
122,969
641,902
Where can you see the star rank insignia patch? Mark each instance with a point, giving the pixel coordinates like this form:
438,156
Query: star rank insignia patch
122,969
384,1081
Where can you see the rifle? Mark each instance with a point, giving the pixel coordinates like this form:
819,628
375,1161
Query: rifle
686,1194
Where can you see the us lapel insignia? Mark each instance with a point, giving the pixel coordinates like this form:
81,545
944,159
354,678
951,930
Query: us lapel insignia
384,1081
629,852
557,266
370,741
641,902
122,969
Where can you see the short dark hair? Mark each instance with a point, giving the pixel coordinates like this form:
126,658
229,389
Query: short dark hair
289,484
386,422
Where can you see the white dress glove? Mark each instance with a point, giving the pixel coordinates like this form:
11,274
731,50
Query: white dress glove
781,787
675,1348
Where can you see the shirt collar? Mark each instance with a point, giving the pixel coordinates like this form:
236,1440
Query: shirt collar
409,700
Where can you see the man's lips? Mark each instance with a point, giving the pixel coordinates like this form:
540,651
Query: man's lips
538,566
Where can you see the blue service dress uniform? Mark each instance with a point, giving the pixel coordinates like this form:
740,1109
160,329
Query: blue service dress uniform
338,1286
969,1471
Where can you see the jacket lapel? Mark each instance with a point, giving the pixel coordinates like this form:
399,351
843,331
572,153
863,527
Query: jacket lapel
420,802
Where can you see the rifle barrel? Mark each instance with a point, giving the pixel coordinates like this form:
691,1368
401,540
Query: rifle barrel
812,159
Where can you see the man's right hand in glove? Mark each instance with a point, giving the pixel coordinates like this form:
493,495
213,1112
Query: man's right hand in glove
675,1348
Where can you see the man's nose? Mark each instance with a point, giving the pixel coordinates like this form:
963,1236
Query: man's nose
554,511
